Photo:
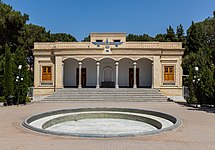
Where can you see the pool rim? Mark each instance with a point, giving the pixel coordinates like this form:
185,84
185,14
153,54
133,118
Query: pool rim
176,122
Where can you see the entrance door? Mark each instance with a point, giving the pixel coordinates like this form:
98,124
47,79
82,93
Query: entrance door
131,77
83,77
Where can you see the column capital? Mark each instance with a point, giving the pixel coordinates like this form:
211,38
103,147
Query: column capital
116,63
97,63
134,63
79,63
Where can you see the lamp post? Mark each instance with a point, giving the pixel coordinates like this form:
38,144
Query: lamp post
196,77
18,79
196,81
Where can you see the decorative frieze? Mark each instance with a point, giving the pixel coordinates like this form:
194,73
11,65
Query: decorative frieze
139,45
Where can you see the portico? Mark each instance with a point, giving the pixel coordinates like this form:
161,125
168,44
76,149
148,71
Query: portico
108,61
107,73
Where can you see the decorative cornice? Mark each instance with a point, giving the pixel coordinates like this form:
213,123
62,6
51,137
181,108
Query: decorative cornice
127,45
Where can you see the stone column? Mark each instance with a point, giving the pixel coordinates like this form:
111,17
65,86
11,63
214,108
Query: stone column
79,77
157,72
117,74
58,72
62,74
97,78
152,86
135,72
37,72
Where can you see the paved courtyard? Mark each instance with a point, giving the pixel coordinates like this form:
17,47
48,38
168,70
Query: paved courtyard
196,132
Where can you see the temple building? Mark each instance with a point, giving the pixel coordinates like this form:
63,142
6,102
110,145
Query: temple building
108,61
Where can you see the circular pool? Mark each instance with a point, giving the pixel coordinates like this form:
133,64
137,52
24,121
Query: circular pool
101,122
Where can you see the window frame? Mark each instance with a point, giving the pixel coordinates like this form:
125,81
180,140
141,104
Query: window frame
167,72
44,82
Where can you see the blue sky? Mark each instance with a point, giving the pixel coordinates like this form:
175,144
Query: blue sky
81,17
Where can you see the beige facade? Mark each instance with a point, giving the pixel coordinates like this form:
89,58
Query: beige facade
109,60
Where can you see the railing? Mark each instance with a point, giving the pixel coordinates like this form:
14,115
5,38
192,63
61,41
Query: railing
159,45
61,45
148,45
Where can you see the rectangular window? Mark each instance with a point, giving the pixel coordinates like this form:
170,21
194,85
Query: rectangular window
99,40
169,73
117,41
46,73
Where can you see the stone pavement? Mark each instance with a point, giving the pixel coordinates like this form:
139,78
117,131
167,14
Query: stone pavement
197,131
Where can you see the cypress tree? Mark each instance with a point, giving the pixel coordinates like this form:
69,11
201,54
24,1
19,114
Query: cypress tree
170,34
180,33
22,85
8,75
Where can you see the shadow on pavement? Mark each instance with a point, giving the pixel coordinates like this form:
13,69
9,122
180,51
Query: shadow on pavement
195,107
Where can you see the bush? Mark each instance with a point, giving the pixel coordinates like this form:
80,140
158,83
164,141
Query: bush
2,99
27,99
192,100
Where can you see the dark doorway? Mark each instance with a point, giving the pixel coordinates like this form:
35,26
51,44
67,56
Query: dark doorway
83,77
131,77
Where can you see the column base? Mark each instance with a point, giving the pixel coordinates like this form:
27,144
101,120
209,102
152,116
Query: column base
79,86
97,86
135,86
116,86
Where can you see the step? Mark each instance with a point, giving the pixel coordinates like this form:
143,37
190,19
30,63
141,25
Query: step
107,94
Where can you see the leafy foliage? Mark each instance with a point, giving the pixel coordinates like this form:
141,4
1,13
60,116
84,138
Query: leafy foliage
62,37
21,85
160,37
144,37
199,52
16,43
86,39
8,74
11,22
169,36
2,64
28,35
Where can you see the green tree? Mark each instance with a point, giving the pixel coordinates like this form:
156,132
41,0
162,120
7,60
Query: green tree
62,37
144,37
170,35
29,34
2,64
86,39
200,48
194,38
11,22
8,75
160,37
180,33
22,82
192,95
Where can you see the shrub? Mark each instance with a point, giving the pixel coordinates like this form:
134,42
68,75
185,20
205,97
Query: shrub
2,99
27,99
